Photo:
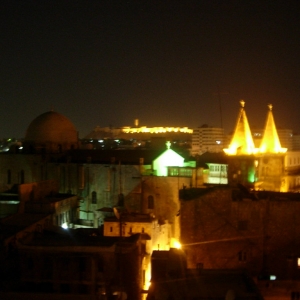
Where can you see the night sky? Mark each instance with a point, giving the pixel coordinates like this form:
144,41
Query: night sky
109,62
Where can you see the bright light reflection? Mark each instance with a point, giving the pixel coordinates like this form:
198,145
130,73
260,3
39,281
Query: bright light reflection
64,226
147,282
175,244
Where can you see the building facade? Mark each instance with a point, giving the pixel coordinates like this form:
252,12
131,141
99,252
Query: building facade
207,139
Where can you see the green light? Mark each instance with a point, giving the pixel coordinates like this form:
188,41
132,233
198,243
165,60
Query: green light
167,159
251,175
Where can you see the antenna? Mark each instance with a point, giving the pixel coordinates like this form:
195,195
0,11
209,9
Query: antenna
218,93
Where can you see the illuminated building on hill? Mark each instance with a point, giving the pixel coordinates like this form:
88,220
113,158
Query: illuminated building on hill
140,136
117,132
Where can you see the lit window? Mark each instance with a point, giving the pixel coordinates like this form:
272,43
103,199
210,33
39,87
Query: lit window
298,262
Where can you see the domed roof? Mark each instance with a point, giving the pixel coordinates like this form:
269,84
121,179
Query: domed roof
51,127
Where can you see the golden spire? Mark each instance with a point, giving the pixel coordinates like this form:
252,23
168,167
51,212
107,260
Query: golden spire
242,142
270,142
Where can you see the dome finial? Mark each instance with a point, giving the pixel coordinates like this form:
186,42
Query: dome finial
242,102
270,106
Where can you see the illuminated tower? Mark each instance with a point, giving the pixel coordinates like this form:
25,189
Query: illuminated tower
270,142
241,142
269,162
258,168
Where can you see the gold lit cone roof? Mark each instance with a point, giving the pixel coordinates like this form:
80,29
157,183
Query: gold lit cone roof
270,142
242,141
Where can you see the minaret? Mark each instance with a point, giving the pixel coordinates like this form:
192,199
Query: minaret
241,142
270,142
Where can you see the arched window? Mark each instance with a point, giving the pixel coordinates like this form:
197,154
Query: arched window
150,202
94,197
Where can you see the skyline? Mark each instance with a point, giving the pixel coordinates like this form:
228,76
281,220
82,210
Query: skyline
106,64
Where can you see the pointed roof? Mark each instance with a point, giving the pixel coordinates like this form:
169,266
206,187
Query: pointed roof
270,142
242,142
169,158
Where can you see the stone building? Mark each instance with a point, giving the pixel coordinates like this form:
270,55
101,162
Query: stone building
77,264
232,228
171,279
207,139
141,180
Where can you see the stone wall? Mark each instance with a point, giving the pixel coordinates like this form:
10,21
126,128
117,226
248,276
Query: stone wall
259,232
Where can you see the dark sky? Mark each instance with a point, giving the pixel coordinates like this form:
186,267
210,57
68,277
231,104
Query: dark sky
163,62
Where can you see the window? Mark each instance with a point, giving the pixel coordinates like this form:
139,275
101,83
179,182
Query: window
243,225
47,269
150,202
121,199
184,172
94,197
173,171
8,176
22,176
38,228
30,263
298,262
65,263
83,289
100,265
82,264
65,288
242,256
199,266
144,277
